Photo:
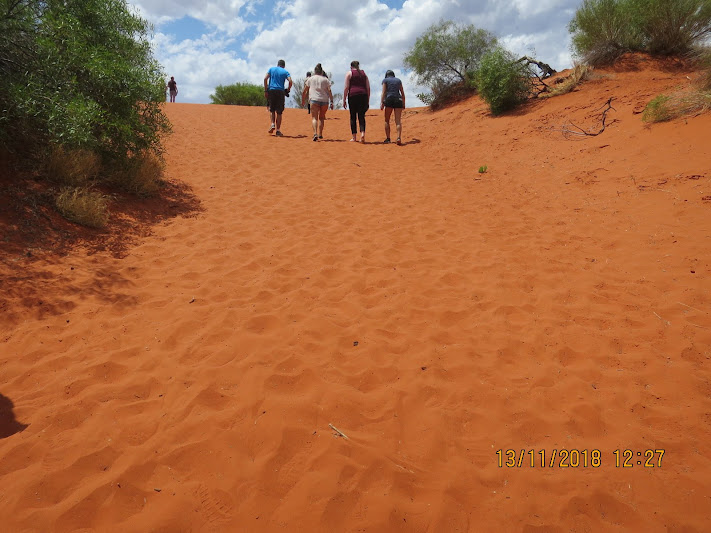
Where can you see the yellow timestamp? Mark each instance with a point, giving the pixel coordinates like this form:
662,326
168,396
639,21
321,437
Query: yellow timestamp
579,458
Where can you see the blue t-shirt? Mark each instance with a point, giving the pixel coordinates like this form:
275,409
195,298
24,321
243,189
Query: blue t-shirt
392,87
277,77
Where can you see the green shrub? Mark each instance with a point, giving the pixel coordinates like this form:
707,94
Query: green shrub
80,74
83,206
702,59
239,94
673,26
663,107
426,98
448,54
503,82
602,30
658,110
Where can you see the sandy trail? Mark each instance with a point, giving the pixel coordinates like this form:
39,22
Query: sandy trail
432,314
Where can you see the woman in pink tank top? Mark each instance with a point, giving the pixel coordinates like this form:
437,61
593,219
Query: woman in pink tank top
357,95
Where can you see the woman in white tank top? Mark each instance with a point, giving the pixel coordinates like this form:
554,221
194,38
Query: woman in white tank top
317,89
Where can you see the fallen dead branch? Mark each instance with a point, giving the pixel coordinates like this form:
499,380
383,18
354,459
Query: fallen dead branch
578,131
547,71
338,431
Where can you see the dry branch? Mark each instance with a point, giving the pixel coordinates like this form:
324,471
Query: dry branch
580,131
539,85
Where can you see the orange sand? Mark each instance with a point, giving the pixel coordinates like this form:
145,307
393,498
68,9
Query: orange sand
430,313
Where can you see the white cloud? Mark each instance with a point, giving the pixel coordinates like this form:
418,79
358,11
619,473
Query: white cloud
243,38
221,14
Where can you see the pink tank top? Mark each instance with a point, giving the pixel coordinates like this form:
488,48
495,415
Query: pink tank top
358,86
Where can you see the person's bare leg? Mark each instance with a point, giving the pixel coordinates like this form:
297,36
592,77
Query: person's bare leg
271,115
322,120
314,118
278,121
388,112
398,124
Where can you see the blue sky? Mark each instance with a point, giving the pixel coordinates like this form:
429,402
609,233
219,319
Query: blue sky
219,42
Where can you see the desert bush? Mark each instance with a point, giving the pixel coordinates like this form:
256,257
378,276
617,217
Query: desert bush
657,110
426,98
702,58
141,175
83,206
247,94
503,82
672,26
669,107
80,74
448,54
602,30
72,167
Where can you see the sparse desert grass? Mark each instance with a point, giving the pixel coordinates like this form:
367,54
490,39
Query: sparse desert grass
581,72
657,110
74,168
141,175
669,107
83,206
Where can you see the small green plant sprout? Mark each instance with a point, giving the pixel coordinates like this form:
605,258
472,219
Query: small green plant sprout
482,169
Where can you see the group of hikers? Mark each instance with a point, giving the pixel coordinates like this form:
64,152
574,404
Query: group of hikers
317,97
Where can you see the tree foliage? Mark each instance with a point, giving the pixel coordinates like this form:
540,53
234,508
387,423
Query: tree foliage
503,81
448,53
602,30
297,91
673,26
78,73
247,94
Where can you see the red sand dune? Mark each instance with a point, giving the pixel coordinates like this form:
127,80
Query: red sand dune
431,314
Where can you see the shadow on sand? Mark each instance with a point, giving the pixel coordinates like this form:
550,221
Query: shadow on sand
36,280
8,425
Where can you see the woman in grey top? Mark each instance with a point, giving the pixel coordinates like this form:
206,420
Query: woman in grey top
392,98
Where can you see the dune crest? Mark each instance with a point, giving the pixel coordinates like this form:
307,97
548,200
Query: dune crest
345,335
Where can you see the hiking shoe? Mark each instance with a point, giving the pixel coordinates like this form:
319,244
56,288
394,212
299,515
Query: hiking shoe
279,134
387,141
272,127
315,137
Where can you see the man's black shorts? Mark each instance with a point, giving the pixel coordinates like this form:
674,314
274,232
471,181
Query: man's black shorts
275,97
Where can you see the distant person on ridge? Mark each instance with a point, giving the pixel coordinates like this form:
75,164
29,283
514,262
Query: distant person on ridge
308,104
317,89
392,98
357,95
276,94
172,88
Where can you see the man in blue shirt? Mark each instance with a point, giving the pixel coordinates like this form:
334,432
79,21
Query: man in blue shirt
275,93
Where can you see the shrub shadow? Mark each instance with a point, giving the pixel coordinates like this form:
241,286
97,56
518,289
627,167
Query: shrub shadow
8,424
36,281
